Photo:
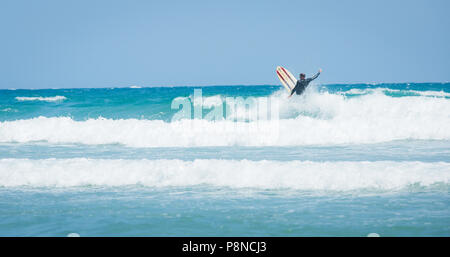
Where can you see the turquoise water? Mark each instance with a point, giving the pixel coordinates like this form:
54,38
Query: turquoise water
340,160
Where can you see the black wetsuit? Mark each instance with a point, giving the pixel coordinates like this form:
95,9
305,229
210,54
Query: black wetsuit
302,84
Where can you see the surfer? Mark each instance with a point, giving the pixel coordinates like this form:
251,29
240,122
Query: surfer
303,82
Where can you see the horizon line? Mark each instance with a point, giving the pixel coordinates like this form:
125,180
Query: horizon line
221,85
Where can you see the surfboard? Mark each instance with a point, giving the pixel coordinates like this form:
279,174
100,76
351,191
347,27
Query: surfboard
286,78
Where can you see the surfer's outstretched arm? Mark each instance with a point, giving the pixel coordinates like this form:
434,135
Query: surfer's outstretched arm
315,76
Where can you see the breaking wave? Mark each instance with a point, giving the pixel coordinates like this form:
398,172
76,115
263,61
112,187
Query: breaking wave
319,118
301,175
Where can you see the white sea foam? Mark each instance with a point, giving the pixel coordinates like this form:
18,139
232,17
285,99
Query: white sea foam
317,118
302,175
357,91
40,98
185,133
432,93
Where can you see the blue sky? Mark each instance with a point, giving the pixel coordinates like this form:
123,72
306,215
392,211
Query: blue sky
56,44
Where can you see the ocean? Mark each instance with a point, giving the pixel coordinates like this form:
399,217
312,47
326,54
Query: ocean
339,160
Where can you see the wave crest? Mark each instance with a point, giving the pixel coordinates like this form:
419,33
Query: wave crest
302,175
40,98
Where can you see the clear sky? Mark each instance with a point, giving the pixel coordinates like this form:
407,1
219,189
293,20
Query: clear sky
56,44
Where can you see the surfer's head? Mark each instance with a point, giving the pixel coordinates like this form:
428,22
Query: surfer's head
302,75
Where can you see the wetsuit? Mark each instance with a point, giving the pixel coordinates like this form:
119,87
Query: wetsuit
302,84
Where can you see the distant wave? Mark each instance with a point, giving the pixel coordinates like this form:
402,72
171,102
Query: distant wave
358,91
9,110
431,93
301,175
40,98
